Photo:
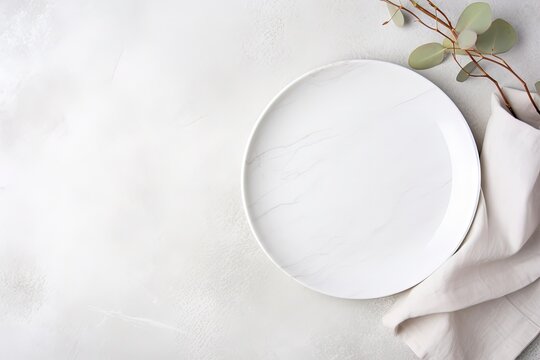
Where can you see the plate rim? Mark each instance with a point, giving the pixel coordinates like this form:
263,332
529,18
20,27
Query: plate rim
261,117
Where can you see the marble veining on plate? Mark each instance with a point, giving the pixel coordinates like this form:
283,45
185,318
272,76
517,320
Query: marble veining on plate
360,179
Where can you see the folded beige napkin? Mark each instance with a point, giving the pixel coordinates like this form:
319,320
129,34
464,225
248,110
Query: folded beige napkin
484,302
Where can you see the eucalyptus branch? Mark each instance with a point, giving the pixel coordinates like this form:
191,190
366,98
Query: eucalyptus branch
475,36
463,68
523,83
495,82
442,13
430,14
416,17
505,64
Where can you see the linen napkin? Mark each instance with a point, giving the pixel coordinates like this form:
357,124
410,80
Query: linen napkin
484,302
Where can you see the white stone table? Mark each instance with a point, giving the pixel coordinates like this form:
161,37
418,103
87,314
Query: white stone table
122,130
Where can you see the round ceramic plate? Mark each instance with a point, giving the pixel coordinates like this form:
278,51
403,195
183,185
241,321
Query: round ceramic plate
360,179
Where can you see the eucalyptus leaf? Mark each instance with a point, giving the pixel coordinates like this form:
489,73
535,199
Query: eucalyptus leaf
464,73
427,56
476,17
396,14
447,43
467,39
499,38
537,86
450,47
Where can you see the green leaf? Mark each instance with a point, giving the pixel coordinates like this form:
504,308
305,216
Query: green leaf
447,43
426,56
537,86
396,14
450,47
467,39
476,17
464,73
499,38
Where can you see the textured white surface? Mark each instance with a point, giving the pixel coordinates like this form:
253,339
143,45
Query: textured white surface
357,191
122,127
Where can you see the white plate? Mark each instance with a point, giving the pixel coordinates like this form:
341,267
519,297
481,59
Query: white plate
360,179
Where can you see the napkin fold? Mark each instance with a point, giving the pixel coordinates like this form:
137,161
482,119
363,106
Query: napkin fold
484,301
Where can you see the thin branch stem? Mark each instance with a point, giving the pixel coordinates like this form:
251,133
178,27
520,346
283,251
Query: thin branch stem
462,68
523,83
430,14
442,13
507,66
495,82
408,11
